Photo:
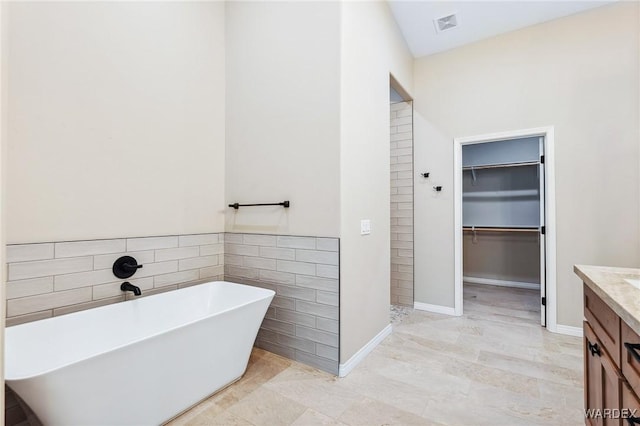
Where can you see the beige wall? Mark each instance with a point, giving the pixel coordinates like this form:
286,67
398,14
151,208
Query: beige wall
132,138
283,116
307,120
371,49
572,73
116,119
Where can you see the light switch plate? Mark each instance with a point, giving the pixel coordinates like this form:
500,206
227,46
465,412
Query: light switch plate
365,227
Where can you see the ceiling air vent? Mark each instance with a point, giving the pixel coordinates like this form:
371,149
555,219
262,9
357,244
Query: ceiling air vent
446,23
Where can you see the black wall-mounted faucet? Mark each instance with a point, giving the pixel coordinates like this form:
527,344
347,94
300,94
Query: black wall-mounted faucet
125,267
127,286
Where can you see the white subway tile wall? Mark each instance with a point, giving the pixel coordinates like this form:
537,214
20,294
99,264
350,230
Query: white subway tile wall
51,279
302,322
402,256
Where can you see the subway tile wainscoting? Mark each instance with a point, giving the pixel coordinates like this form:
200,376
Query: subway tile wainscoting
302,322
51,279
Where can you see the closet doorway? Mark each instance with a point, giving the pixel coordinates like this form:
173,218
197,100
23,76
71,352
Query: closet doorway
504,219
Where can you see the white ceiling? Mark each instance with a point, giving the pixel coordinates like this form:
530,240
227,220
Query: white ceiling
476,19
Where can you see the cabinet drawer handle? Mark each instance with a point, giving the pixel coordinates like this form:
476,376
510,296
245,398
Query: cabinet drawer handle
632,348
595,349
633,420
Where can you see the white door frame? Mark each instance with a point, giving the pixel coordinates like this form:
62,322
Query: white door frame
543,240
550,212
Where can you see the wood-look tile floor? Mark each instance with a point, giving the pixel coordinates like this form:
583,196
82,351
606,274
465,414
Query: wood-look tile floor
493,366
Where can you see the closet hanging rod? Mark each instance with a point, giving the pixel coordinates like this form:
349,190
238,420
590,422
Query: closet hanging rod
496,166
284,204
497,229
511,193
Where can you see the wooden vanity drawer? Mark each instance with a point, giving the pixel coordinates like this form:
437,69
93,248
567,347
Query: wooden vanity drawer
604,322
630,356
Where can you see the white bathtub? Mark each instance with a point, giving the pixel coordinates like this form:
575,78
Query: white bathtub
140,362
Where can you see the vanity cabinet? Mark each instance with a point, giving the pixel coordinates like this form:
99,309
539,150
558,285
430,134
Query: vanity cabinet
611,366
603,382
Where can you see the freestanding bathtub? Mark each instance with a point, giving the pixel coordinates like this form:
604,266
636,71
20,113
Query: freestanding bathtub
140,362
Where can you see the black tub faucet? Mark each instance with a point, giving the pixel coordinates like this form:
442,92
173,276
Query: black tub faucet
125,266
127,286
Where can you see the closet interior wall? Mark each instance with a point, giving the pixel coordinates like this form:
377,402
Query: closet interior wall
502,258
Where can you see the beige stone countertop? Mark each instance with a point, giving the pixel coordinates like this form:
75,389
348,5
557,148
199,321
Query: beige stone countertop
611,285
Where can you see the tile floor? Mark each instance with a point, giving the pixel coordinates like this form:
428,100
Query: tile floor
493,366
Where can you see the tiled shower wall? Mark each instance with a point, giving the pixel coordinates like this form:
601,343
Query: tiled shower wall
302,322
50,279
402,203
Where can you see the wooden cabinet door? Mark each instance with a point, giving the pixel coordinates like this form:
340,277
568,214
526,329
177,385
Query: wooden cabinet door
630,356
603,383
592,384
630,405
604,322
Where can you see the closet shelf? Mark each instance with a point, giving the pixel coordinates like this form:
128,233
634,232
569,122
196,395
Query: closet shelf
500,229
502,194
496,166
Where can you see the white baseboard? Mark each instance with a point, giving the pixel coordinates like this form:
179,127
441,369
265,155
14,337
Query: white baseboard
501,283
357,358
568,330
436,309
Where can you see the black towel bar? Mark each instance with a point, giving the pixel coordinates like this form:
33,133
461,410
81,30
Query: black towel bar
284,204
